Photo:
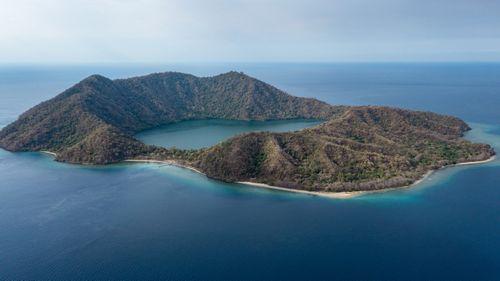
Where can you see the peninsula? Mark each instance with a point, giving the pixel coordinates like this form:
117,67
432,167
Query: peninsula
354,149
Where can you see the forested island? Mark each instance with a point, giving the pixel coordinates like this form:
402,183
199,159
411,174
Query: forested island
354,149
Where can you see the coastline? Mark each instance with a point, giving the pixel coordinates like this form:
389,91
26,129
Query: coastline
334,195
337,195
48,152
474,162
352,194
166,162
342,194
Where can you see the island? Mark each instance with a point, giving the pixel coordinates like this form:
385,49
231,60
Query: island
355,148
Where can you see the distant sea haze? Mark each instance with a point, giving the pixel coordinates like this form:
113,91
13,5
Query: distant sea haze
459,89
152,221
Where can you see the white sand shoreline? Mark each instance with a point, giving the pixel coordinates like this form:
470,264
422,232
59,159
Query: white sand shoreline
342,194
351,194
336,195
48,152
339,195
474,162
166,162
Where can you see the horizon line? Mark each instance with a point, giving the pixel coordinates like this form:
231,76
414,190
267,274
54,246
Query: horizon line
240,62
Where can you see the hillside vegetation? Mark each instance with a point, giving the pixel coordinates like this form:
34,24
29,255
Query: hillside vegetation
95,120
355,148
366,148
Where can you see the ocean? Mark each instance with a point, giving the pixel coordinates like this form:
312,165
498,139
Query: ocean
150,221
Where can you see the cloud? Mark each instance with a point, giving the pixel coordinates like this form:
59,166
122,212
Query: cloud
243,30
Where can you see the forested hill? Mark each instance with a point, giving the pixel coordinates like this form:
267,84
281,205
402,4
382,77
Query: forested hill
366,148
95,120
356,148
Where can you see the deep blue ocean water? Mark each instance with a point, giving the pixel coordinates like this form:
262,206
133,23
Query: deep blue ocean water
146,221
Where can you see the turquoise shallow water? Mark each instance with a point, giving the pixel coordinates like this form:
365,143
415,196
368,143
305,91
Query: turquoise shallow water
147,221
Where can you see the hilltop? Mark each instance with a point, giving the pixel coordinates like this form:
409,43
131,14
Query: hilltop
367,148
355,148
94,121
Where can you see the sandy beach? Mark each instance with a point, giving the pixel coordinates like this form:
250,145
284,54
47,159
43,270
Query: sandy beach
347,195
48,152
339,195
166,162
475,162
336,195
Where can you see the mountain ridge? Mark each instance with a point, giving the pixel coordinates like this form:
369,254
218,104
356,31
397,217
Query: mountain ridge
131,105
354,149
358,151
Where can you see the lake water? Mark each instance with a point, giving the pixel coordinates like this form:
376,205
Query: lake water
147,221
210,132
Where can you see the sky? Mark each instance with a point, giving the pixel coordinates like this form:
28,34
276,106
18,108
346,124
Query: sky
160,31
